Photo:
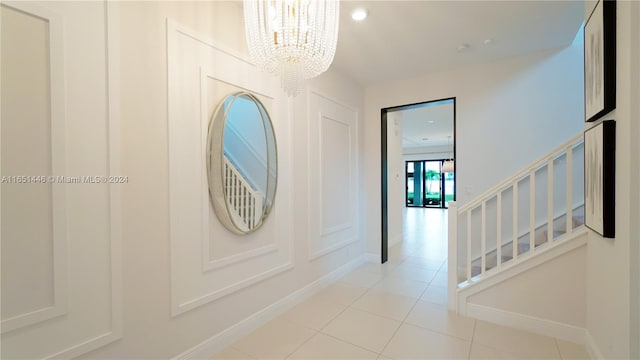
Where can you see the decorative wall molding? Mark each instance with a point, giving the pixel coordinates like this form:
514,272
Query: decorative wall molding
115,194
115,168
210,264
70,340
195,63
347,222
212,345
58,162
324,113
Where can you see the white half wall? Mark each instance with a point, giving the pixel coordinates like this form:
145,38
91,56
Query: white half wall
554,291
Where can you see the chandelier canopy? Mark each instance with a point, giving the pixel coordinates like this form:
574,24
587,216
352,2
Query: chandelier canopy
295,39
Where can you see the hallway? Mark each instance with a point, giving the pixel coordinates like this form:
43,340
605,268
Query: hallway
394,311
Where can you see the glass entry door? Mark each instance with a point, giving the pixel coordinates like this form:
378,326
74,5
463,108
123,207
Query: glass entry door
427,185
432,184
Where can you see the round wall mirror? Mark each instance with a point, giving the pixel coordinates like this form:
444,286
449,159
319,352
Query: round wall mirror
242,164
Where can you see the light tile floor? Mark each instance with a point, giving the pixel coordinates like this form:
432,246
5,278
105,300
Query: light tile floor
394,311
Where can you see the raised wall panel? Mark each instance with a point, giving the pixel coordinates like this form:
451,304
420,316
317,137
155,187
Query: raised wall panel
208,261
335,156
224,250
33,209
60,231
333,173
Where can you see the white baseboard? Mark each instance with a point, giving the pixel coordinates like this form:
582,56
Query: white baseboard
592,347
396,239
372,258
527,323
212,345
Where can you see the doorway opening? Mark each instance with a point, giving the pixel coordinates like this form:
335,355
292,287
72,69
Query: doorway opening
428,140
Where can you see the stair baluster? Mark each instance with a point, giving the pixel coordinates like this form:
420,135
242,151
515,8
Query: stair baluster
244,203
544,230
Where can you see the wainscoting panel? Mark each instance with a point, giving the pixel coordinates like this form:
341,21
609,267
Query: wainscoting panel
333,172
33,139
61,284
208,261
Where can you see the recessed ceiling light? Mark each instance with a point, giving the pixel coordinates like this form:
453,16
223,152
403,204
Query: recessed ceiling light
463,47
430,121
359,14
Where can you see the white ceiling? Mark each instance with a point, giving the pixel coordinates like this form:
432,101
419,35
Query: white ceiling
428,126
403,39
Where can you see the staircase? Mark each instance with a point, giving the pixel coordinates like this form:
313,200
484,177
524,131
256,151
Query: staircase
243,202
537,209
541,238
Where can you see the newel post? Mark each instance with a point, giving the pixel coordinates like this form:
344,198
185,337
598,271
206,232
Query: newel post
452,270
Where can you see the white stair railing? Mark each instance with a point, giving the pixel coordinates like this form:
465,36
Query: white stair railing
537,207
244,203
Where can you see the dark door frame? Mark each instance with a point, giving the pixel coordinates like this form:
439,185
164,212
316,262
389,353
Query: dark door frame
384,253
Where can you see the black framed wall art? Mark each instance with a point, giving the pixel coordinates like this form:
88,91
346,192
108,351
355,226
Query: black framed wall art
600,61
600,178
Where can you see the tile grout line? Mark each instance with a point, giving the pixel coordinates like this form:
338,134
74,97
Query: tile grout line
391,338
558,348
441,332
320,331
350,343
345,309
301,345
473,336
350,306
238,350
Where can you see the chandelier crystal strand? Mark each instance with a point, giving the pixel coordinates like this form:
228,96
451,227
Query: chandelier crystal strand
294,39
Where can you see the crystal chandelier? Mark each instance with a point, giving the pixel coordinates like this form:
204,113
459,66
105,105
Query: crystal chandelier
295,39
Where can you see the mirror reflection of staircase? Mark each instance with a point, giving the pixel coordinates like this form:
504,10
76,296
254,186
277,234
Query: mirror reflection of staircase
243,201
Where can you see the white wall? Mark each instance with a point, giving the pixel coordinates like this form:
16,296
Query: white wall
553,291
635,203
612,271
171,305
60,260
396,177
531,103
428,153
27,220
